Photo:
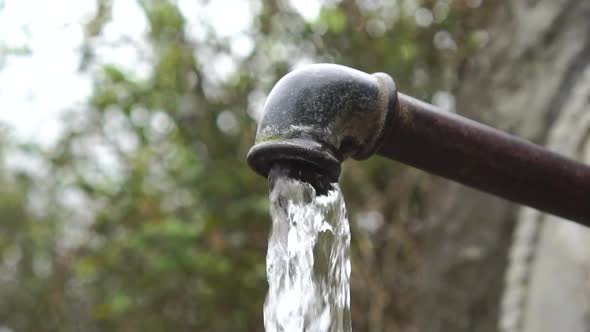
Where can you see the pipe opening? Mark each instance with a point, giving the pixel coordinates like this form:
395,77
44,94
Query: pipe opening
304,172
305,159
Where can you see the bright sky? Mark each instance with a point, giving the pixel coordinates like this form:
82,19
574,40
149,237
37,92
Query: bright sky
36,89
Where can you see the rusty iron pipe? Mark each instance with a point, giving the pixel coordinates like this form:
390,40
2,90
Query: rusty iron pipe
487,159
318,116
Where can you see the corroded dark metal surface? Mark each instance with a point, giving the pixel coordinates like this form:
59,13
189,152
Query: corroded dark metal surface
316,117
487,159
323,114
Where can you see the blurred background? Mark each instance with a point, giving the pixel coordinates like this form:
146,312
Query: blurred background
125,200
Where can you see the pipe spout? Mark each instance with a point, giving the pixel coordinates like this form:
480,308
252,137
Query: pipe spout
320,115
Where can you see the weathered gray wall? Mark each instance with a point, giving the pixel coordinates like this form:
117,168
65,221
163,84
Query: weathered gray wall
532,80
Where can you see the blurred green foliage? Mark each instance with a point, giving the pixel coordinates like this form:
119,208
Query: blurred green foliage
145,216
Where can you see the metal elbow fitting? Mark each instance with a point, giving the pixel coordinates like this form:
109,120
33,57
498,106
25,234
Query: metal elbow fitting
319,115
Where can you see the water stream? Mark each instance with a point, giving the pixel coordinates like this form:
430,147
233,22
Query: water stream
308,259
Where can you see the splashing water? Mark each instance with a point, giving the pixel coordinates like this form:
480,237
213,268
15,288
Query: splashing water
308,259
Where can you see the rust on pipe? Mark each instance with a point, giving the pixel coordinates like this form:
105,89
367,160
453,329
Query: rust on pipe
487,159
318,116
